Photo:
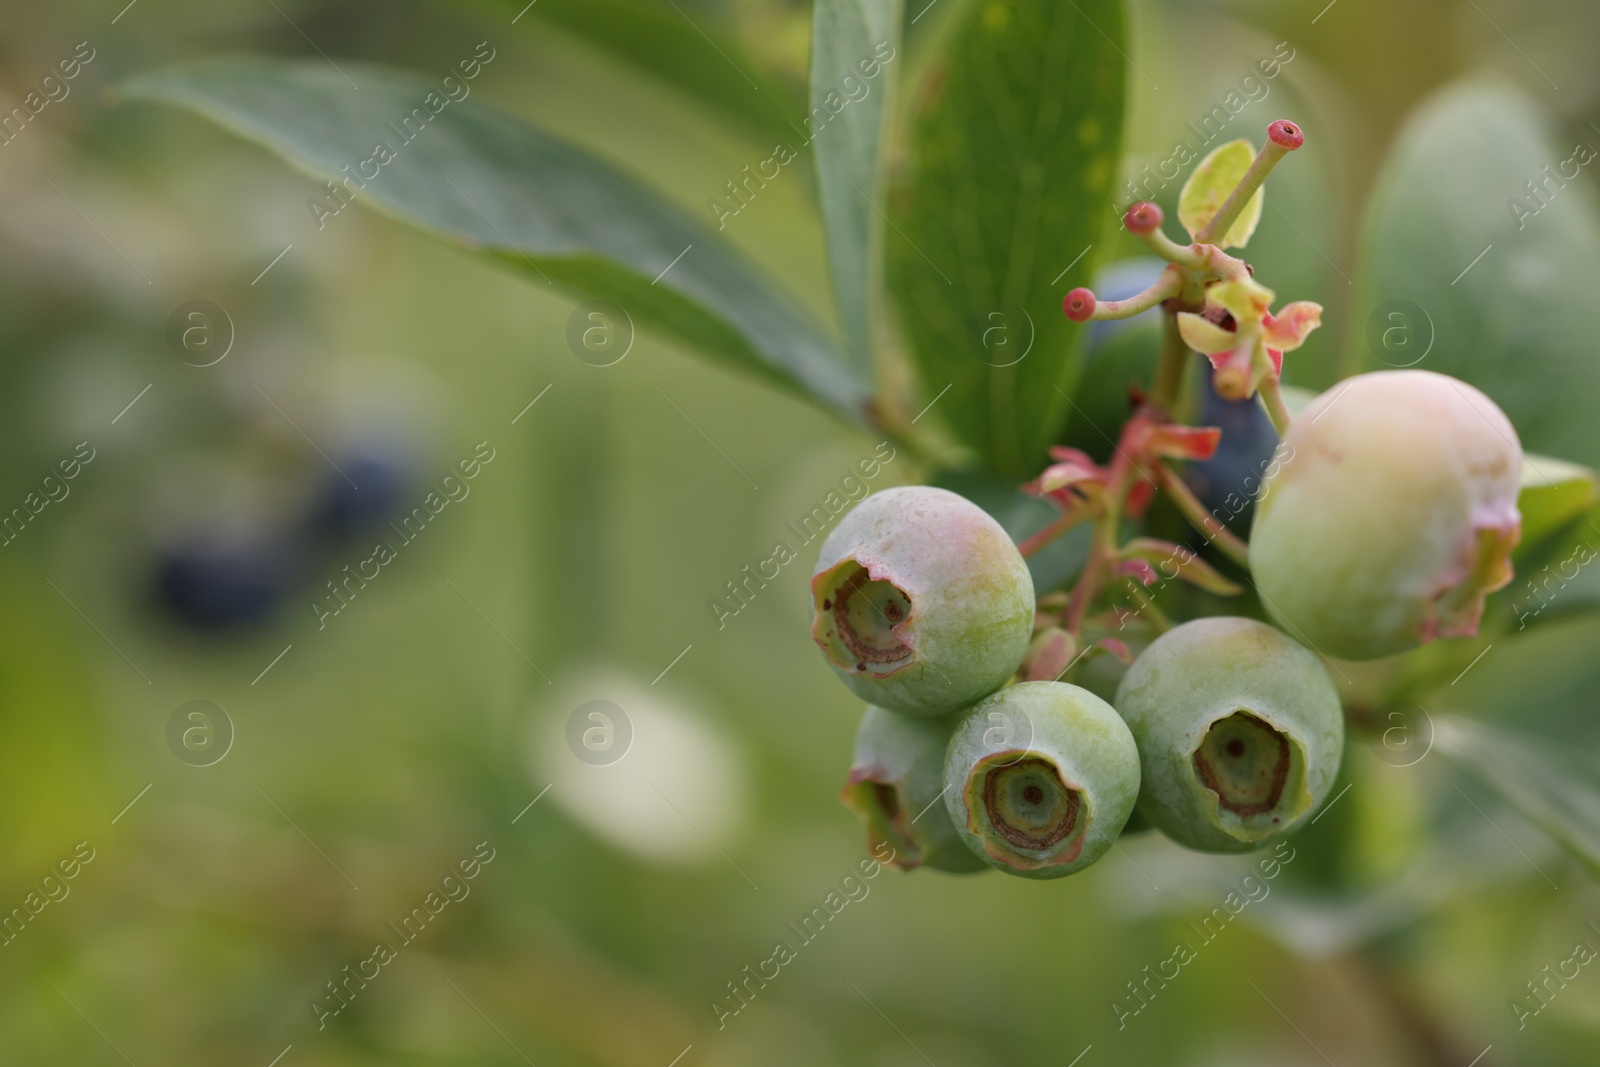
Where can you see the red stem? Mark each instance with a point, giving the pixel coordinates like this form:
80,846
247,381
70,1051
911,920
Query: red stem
1103,547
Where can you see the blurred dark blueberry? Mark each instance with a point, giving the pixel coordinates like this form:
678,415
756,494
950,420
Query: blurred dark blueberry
217,586
345,510
1228,482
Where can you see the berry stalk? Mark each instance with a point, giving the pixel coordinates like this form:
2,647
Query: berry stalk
1283,137
1272,399
1170,365
1225,540
1080,305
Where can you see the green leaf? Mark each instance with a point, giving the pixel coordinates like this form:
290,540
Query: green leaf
513,193
683,49
1554,492
1214,177
1539,779
1462,264
1012,153
1556,579
852,41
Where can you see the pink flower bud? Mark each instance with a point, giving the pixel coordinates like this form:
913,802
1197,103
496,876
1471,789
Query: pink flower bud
1142,218
1286,135
1078,304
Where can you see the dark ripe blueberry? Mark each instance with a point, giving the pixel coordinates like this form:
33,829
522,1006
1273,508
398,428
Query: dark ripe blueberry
1228,482
379,492
218,586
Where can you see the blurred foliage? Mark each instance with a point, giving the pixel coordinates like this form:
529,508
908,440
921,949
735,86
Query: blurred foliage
1479,182
854,40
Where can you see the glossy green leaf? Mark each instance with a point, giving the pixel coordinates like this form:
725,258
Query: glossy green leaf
509,191
1557,578
1466,272
1554,492
1212,179
1541,780
854,44
682,48
1007,184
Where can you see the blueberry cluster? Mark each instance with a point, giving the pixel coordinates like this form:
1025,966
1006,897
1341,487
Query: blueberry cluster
1224,733
1228,735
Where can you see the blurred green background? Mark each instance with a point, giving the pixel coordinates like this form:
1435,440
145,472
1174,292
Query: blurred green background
372,752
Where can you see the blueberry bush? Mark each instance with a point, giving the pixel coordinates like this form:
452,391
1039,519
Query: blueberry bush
1153,575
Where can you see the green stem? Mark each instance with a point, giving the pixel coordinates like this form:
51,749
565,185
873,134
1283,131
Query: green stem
1260,167
1226,541
1218,264
1174,359
1272,399
1189,256
1166,286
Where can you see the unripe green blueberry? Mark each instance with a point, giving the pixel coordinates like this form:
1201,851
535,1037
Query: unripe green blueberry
1240,733
896,779
1040,778
1390,511
921,601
